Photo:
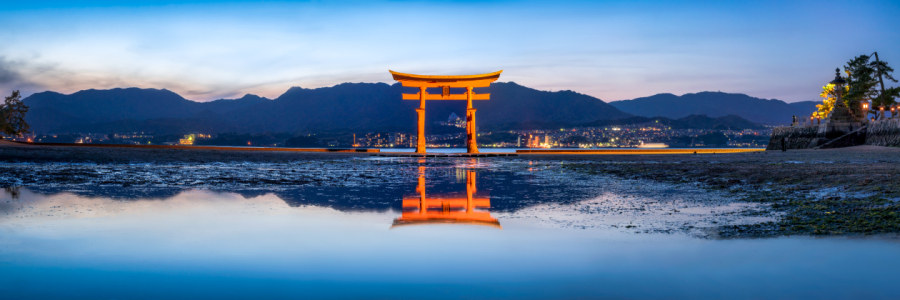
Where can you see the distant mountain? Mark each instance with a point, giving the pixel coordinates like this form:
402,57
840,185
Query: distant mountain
730,122
85,110
348,106
371,106
377,107
716,104
223,106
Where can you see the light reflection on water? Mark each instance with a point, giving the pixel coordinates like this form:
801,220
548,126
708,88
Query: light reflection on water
448,208
201,243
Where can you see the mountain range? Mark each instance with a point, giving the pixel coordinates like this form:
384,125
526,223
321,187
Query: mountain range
370,107
717,104
347,106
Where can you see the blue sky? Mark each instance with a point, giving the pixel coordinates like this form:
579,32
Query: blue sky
612,50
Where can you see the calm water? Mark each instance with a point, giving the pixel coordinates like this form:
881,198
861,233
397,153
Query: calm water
451,231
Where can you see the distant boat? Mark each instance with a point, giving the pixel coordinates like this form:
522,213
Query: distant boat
653,145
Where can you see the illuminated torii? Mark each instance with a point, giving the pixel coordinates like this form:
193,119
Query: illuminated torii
445,82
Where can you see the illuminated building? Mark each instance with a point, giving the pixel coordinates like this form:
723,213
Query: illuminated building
454,121
187,140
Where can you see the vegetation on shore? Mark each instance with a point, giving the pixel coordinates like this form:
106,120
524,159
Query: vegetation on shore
12,115
865,83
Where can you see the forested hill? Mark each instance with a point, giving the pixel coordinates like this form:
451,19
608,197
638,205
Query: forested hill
716,104
352,106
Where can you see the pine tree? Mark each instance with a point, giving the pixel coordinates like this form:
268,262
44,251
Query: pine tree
865,82
882,71
12,115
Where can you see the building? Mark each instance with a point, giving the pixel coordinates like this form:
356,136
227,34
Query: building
188,140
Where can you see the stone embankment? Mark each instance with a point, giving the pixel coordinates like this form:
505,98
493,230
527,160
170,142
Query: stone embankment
877,133
794,137
884,133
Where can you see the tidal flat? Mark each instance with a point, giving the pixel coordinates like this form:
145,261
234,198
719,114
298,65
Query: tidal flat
819,192
145,224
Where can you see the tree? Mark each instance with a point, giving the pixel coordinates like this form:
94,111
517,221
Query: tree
829,96
864,77
12,115
882,70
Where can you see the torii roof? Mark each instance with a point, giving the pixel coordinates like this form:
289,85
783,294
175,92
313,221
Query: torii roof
453,80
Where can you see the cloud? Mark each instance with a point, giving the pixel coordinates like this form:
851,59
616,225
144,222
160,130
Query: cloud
7,72
12,78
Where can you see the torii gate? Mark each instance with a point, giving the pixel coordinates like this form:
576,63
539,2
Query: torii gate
469,82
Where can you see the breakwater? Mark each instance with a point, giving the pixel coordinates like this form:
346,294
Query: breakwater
792,137
884,133
877,133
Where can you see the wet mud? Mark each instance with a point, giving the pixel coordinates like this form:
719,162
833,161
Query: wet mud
709,196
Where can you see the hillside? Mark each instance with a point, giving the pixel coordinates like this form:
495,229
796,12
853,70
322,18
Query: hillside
347,106
730,122
100,110
716,104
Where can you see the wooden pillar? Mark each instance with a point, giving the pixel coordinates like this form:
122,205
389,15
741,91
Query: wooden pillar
471,143
420,142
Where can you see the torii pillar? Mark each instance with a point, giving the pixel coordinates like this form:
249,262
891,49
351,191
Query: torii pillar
469,82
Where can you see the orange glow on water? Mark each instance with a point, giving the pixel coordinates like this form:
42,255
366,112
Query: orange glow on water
446,208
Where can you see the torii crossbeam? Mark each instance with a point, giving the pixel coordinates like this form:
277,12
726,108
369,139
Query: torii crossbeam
445,82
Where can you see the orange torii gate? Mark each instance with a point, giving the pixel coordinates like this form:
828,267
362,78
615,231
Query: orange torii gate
443,209
469,82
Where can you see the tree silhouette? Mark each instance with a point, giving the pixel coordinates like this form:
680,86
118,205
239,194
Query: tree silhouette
861,84
12,115
864,77
882,71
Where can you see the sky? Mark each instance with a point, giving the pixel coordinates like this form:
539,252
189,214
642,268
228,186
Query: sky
612,50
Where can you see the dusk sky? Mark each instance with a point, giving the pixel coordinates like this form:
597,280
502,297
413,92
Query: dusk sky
611,50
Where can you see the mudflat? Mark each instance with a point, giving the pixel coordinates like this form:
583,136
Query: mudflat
853,190
17,152
842,191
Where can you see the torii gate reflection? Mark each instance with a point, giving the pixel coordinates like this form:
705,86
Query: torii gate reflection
446,209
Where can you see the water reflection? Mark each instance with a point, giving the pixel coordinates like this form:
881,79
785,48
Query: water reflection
13,192
330,241
344,185
446,208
